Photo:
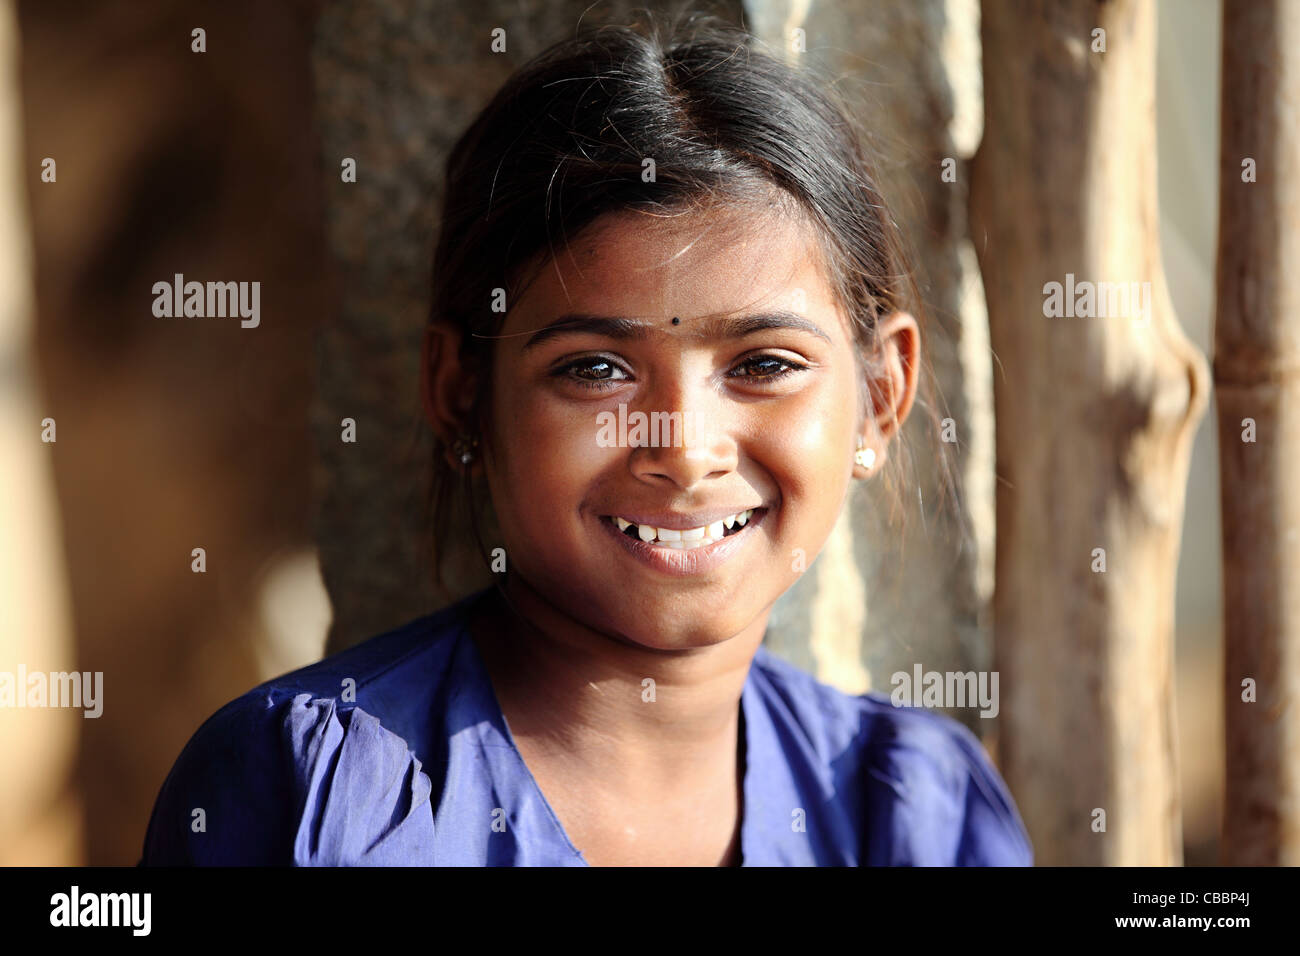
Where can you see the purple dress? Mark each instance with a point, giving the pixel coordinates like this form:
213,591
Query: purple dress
395,753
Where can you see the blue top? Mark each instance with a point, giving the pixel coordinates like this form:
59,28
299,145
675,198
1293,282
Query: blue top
414,764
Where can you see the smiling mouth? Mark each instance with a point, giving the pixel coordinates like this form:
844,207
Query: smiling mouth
687,539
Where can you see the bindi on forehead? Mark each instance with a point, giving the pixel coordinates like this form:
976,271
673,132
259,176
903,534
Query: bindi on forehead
628,267
715,327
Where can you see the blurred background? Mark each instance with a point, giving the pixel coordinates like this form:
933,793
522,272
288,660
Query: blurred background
173,434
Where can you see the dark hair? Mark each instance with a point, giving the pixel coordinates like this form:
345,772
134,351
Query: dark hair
563,141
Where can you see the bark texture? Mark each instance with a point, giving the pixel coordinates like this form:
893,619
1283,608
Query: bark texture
1257,382
1095,417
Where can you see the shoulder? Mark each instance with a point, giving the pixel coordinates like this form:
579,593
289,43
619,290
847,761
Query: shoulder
315,766
941,801
930,794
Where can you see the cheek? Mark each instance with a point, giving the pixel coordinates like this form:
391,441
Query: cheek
546,455
808,439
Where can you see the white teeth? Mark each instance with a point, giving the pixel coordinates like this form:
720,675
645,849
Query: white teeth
690,538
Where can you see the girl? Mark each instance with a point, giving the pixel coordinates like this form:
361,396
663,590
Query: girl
661,227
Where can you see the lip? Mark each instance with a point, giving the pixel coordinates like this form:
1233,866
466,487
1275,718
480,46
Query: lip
682,563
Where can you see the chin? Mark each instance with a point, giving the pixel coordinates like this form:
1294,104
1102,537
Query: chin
657,615
677,632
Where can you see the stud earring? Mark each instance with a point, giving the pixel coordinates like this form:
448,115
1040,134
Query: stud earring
866,457
463,448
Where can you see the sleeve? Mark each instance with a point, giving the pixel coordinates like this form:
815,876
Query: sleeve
364,799
992,832
269,782
935,798
227,799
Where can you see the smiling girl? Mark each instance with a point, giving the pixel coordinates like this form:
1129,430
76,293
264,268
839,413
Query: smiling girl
672,224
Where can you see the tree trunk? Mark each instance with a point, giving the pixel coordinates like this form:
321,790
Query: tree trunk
1095,417
1256,366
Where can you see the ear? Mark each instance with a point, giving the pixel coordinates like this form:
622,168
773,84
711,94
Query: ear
892,377
446,386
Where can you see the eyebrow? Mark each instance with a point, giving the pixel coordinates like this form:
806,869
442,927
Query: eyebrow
721,327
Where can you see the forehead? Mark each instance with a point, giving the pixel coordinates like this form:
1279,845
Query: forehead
709,261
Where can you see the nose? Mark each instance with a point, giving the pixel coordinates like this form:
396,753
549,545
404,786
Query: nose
688,439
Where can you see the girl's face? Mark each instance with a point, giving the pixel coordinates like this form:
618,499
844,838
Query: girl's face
672,373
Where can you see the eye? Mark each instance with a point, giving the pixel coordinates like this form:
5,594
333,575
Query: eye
767,368
594,371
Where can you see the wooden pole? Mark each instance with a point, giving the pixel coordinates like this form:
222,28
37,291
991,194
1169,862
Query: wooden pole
1095,414
1257,382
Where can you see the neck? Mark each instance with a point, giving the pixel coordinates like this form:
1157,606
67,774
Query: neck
582,698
